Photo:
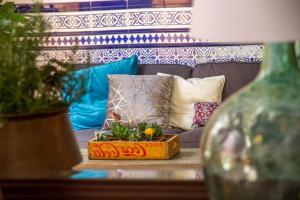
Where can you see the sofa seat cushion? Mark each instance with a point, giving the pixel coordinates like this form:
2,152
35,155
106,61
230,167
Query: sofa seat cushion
191,138
83,136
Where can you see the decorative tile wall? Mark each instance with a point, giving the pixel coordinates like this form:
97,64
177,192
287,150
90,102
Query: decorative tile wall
155,30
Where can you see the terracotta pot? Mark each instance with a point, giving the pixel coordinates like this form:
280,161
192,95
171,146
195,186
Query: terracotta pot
37,145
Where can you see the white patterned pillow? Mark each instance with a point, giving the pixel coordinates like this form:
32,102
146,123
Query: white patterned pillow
186,92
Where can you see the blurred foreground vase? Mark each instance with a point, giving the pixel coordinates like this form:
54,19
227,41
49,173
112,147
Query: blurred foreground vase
38,145
251,147
297,46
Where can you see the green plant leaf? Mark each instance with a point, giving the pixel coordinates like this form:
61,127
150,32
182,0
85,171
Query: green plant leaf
25,85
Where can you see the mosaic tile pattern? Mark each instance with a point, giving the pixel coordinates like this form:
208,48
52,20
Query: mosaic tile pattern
170,55
119,19
155,30
164,38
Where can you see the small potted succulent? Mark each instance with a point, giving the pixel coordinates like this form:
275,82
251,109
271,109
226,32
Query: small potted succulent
146,141
35,133
119,131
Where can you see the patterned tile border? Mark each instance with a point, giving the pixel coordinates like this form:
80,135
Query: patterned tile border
179,55
156,35
158,18
160,38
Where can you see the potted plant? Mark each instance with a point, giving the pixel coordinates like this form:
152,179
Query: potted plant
35,133
146,141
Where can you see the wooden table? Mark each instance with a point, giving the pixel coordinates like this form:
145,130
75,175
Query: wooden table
174,185
187,158
49,189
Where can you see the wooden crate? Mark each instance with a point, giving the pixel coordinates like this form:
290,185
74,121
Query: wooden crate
134,150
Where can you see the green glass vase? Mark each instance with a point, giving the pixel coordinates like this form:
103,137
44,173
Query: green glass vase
297,46
251,146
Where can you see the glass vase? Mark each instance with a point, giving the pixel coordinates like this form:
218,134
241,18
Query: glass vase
251,146
297,47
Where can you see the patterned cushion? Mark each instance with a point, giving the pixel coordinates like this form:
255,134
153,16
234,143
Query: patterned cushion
203,111
139,98
186,92
89,112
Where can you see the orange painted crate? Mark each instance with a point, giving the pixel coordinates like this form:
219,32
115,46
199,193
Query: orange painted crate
134,150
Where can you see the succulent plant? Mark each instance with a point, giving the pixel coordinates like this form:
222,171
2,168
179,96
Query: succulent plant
120,131
143,131
141,126
134,135
157,129
149,133
102,135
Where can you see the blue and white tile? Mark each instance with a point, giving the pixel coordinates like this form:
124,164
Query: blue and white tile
152,18
177,55
135,39
106,31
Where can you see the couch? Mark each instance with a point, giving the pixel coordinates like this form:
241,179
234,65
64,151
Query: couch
236,74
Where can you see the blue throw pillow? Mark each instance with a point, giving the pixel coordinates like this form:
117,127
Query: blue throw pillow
89,111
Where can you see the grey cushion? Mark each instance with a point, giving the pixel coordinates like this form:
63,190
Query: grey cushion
237,75
179,70
83,136
191,138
